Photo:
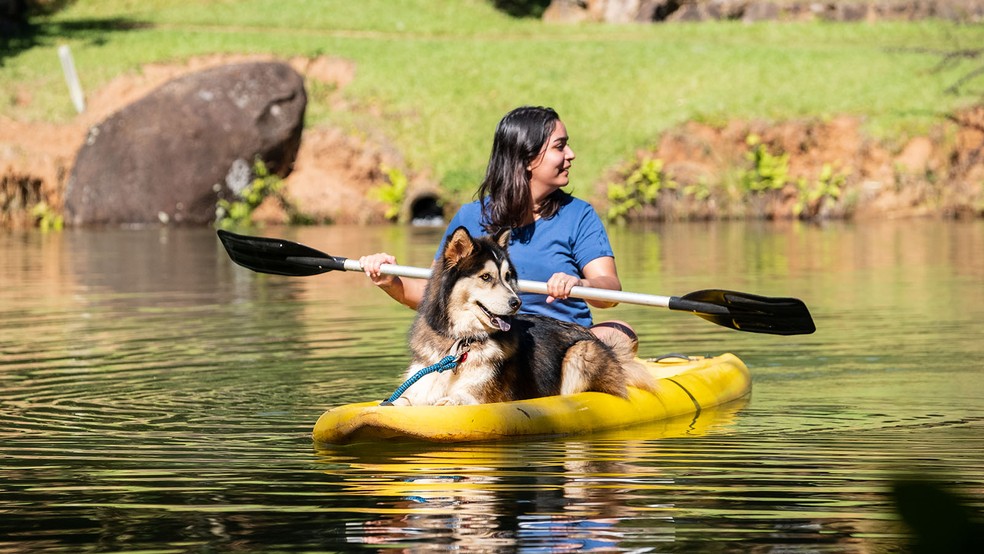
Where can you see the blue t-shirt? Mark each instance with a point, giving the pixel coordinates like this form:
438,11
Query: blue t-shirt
564,243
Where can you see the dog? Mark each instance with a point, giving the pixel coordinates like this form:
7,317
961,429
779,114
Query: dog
470,311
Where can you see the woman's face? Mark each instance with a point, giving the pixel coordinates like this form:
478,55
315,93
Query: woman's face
549,171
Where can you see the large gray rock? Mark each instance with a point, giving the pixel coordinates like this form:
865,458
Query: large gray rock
172,154
608,11
643,11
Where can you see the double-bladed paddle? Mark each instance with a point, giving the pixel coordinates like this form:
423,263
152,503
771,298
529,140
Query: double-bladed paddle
735,310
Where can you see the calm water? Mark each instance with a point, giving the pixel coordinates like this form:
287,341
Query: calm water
155,397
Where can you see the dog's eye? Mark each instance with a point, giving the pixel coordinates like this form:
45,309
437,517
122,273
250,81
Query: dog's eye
487,277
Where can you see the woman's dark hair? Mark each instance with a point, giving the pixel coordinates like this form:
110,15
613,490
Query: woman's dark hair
505,191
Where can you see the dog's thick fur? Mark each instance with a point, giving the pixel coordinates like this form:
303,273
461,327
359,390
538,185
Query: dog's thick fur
471,305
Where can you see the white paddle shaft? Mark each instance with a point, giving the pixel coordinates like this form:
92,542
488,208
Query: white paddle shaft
535,287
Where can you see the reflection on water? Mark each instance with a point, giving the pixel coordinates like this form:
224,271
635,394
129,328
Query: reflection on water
557,495
153,396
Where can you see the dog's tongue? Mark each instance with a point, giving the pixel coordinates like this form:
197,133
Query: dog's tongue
501,323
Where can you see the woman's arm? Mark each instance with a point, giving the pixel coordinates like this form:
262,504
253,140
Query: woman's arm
405,290
599,273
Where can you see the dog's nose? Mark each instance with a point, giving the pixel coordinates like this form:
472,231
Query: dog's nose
515,303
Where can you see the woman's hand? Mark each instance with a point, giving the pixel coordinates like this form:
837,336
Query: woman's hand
406,291
371,264
559,286
600,273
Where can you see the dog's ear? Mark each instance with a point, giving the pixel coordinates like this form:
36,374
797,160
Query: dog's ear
503,237
459,245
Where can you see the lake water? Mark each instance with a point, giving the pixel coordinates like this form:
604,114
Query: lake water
155,397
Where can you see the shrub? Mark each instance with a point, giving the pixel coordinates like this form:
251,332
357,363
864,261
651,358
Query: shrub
46,218
640,188
392,193
814,198
768,171
239,212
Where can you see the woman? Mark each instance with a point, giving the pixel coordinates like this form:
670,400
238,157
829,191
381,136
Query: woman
555,237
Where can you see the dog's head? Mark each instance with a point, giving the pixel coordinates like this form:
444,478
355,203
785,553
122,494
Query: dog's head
478,282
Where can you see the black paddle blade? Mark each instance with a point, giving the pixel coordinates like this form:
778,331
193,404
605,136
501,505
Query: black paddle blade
277,256
748,312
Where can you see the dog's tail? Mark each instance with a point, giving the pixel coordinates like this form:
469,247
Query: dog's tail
636,373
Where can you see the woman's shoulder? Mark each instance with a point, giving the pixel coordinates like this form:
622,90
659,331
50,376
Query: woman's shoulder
468,215
475,206
468,210
576,208
578,203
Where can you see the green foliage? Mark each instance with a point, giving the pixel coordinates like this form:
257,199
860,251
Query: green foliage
827,189
700,191
46,218
640,188
768,171
392,193
239,212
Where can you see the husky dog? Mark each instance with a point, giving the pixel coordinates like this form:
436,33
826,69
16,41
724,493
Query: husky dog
469,310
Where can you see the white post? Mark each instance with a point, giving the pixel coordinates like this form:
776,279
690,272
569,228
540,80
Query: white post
72,78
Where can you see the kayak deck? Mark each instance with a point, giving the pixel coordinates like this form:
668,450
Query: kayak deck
684,385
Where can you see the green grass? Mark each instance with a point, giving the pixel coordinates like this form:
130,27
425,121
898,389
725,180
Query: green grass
443,73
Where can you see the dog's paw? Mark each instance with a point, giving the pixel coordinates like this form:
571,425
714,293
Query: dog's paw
447,401
457,400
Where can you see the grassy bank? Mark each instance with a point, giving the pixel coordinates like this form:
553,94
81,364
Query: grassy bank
442,73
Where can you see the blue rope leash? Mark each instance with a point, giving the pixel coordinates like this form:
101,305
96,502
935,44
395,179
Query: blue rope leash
446,363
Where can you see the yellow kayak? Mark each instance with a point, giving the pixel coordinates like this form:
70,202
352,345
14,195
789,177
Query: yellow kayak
685,385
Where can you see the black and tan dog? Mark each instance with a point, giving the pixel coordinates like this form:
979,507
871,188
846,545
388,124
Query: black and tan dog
470,306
